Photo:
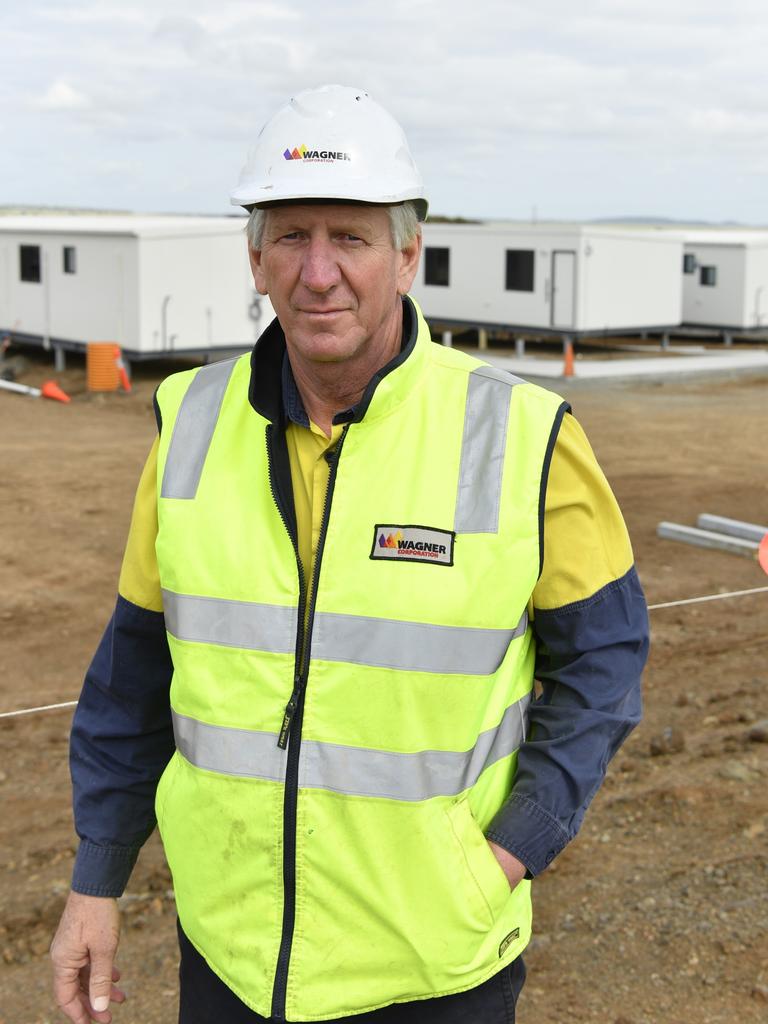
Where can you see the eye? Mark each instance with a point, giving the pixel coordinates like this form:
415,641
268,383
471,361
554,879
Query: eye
347,236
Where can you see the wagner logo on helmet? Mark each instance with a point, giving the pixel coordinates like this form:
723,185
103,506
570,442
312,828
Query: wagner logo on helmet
323,156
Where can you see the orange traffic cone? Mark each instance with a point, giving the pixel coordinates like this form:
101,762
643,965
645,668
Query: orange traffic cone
52,390
568,360
124,378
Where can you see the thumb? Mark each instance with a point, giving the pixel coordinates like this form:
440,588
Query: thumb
100,983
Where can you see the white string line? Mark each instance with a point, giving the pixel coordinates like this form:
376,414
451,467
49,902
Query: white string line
709,597
651,608
45,707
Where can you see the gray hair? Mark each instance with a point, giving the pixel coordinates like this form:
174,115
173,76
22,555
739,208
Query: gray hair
403,224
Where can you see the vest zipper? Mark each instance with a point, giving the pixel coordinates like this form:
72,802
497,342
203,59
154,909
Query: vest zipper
291,728
290,711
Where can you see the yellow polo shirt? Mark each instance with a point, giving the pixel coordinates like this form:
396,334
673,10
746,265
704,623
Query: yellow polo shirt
310,472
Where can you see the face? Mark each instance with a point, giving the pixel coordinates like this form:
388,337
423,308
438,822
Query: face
334,277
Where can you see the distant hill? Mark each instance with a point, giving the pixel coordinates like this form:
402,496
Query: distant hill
672,221
65,211
437,218
6,211
630,220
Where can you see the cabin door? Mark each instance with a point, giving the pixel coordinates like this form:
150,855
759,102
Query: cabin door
563,288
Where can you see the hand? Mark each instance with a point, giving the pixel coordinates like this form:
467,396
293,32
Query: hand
83,952
513,868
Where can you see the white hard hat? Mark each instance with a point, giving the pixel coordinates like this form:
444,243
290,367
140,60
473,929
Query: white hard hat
334,142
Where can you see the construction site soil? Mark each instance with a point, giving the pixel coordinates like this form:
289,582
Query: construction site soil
657,912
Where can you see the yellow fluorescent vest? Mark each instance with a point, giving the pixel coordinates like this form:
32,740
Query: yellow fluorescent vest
347,869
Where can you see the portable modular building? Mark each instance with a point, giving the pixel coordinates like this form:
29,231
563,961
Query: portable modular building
154,285
725,278
559,278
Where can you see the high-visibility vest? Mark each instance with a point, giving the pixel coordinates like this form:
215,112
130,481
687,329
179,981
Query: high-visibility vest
323,818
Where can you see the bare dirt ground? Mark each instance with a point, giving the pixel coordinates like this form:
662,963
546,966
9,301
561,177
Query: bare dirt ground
656,914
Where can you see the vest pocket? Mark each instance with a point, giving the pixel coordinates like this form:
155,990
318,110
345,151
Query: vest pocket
482,867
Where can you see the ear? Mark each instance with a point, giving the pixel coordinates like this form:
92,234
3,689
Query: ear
259,279
409,264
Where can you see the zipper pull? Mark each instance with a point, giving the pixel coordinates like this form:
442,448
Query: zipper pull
290,711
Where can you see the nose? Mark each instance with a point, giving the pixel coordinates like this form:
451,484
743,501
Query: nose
320,269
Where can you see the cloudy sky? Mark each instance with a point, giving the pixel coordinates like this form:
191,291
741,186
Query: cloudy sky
596,109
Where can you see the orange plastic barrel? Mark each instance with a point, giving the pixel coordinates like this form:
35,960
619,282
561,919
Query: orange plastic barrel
101,367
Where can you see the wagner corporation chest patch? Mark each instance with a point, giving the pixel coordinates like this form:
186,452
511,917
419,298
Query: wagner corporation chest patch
413,544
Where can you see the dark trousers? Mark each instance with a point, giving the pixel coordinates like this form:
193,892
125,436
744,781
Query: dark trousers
205,999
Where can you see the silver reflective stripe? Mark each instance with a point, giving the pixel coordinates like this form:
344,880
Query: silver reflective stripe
229,751
212,620
193,430
356,771
411,646
358,639
482,450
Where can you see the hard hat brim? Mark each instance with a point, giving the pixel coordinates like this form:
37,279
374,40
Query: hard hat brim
248,200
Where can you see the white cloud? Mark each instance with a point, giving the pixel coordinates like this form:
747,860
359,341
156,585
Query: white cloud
60,95
551,103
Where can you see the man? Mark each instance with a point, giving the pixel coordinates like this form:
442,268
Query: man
353,550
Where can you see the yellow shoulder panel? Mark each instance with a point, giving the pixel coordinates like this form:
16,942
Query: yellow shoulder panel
586,544
139,576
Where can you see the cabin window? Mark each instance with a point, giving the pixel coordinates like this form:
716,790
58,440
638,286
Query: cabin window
519,270
708,276
689,263
437,266
70,260
29,263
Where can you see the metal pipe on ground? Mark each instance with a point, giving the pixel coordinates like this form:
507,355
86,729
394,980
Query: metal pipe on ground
20,389
707,539
49,390
732,527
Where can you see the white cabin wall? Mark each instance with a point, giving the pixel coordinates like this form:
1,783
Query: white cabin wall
629,281
756,288
622,281
96,303
724,303
200,274
477,292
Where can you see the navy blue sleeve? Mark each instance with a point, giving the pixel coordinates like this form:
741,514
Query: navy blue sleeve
121,741
590,657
